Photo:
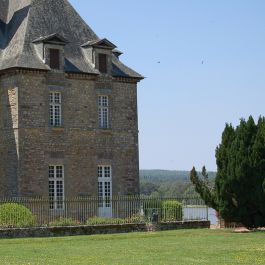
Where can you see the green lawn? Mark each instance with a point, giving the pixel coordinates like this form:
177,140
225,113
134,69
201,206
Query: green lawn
175,247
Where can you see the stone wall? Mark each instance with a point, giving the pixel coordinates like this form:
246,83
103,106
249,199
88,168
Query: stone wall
184,225
71,230
98,229
78,144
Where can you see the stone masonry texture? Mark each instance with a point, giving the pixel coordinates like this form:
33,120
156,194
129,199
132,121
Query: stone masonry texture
29,145
29,30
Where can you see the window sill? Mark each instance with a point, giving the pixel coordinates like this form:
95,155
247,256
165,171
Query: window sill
57,128
105,131
57,71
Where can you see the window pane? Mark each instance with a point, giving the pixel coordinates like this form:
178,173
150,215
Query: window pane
103,101
51,172
100,194
51,194
59,190
57,97
104,118
54,59
100,117
100,171
107,194
104,186
59,171
51,97
99,101
107,172
103,112
51,115
57,115
102,63
56,187
55,109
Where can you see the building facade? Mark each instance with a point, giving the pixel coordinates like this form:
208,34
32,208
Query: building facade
68,106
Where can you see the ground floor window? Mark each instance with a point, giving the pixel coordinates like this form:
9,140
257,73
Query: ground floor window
56,187
104,186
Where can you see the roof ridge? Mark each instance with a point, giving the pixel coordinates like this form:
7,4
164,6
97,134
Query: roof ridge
14,6
23,48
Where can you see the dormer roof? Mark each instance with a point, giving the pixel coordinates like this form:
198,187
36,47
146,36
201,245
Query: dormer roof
54,38
100,43
117,52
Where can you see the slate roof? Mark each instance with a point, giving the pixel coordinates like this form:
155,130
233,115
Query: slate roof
24,21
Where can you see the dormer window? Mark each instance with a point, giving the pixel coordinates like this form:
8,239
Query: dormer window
98,52
51,50
102,63
55,59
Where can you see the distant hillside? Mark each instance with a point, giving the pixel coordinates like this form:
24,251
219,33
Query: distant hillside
158,175
168,183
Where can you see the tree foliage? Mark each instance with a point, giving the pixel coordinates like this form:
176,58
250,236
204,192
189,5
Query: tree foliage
239,190
203,187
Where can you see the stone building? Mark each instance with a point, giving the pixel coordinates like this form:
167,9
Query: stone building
68,106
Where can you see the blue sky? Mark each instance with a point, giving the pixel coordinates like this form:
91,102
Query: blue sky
204,63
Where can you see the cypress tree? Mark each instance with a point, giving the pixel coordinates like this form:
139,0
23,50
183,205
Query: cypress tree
239,191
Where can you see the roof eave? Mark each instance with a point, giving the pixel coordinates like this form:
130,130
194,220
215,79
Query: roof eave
132,78
19,68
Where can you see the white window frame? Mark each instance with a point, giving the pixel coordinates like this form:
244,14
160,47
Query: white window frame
103,111
56,187
55,109
104,186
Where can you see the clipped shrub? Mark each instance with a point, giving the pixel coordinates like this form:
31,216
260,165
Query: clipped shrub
135,219
171,211
105,221
64,222
13,215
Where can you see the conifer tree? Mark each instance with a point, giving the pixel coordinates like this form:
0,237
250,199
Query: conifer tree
239,191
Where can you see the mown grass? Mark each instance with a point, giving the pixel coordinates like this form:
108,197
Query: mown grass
175,247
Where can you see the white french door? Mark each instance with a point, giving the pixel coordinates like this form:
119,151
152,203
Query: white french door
104,191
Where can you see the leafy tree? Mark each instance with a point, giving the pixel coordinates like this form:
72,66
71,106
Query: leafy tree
148,187
239,190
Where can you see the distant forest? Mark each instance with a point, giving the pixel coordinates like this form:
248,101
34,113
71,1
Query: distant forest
168,183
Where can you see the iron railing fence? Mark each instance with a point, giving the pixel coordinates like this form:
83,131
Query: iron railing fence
23,212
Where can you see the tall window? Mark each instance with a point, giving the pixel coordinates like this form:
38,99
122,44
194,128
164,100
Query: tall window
103,112
56,187
102,63
104,186
55,109
55,59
